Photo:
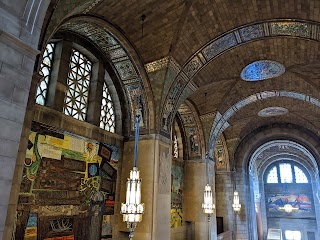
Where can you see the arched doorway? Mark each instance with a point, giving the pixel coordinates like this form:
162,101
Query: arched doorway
284,179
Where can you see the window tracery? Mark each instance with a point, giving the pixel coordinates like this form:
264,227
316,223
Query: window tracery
273,175
107,116
78,82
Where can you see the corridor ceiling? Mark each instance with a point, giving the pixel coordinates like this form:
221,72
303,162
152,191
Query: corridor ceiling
287,32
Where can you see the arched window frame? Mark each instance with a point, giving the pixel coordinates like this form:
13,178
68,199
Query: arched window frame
292,165
63,56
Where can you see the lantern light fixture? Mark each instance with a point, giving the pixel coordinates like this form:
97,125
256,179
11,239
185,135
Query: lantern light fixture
236,202
132,210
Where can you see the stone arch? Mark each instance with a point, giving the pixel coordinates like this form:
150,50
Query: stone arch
191,122
294,28
123,59
220,122
305,141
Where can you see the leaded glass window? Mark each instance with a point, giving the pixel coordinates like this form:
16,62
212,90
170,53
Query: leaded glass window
107,116
285,173
78,81
300,176
45,71
273,175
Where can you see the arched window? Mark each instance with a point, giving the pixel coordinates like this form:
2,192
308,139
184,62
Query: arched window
272,176
286,172
107,117
45,71
76,101
78,77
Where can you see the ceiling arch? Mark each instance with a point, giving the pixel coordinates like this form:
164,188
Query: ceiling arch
292,28
220,122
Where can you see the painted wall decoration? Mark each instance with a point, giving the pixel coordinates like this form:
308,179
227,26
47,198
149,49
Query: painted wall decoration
193,139
301,201
31,229
176,194
64,176
107,223
221,156
164,170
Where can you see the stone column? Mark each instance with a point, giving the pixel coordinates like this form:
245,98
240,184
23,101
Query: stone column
58,81
154,163
194,183
16,69
224,198
95,95
20,27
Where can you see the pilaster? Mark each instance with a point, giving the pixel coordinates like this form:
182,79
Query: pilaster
154,163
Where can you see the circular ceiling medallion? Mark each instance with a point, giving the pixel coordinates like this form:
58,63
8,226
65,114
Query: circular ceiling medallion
272,111
263,69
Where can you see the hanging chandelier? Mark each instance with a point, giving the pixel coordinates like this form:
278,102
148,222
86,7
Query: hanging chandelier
132,210
236,202
208,205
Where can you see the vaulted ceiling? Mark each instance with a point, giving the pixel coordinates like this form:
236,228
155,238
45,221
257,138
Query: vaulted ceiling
182,30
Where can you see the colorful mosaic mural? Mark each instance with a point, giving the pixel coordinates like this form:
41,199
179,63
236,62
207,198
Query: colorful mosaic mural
65,174
221,155
300,201
176,194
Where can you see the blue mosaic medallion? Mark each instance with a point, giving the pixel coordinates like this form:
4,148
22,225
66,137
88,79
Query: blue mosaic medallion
260,70
272,112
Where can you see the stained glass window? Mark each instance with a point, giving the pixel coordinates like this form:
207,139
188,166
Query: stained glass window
285,172
107,117
300,176
45,71
78,81
273,175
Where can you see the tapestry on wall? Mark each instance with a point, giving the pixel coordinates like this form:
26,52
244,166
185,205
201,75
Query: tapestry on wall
176,194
